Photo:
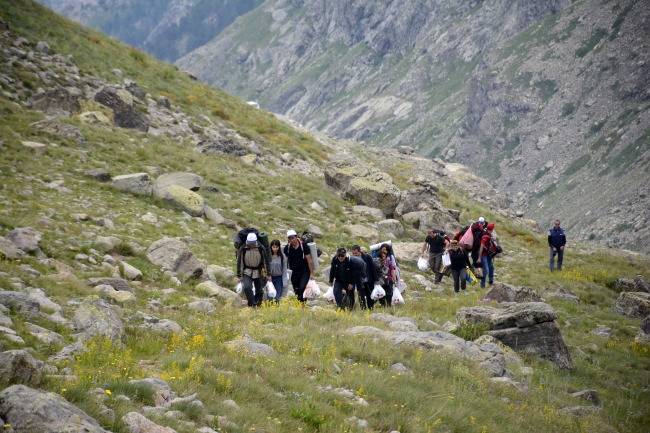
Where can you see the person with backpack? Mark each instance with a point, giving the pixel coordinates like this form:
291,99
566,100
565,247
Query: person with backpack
478,230
278,268
556,243
368,276
486,252
299,261
436,243
387,274
343,275
459,261
252,263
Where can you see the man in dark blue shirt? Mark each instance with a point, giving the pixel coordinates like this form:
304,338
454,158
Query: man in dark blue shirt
556,242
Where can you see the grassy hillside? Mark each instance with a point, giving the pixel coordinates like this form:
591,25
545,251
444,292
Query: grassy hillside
278,393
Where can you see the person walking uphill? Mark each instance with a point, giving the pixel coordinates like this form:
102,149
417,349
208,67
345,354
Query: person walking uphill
251,259
459,262
278,269
484,259
343,276
437,245
371,279
299,261
556,243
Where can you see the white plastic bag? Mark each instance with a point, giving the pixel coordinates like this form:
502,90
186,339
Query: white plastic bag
329,295
239,288
402,287
377,293
270,291
311,291
446,261
397,298
423,264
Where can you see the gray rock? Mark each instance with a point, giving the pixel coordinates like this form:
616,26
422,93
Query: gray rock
315,231
18,366
94,317
391,226
602,331
43,47
164,326
99,174
589,395
365,210
174,255
67,353
51,125
502,292
56,101
398,368
125,115
525,314
25,239
133,88
19,302
116,283
213,215
643,334
418,199
630,285
189,181
580,410
45,335
212,289
387,318
164,102
8,250
249,347
29,410
131,273
403,326
138,423
203,306
633,304
138,183
183,199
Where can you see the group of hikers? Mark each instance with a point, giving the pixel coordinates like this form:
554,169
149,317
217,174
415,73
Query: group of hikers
468,254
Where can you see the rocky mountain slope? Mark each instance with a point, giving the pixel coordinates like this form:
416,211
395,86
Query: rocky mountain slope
122,181
545,99
166,29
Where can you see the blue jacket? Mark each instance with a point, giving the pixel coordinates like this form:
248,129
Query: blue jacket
556,237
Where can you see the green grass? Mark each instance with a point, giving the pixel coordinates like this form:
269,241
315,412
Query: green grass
590,43
577,165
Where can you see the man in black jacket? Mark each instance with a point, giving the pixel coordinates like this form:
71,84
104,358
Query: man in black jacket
345,275
556,243
365,287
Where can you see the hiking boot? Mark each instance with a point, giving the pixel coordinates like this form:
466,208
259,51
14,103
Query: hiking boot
465,292
490,283
456,293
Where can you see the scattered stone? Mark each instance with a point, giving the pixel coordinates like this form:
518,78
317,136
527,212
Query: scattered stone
138,183
212,289
399,368
365,210
123,298
78,217
43,47
45,335
8,250
25,239
99,174
106,243
363,233
95,317
56,101
633,304
589,395
502,292
115,283
249,347
387,318
630,285
403,326
174,255
29,410
51,125
182,199
96,118
133,88
580,410
18,366
149,218
164,102
391,226
39,148
189,181
138,423
602,331
131,273
125,115
643,334
213,215
315,231
203,306
19,302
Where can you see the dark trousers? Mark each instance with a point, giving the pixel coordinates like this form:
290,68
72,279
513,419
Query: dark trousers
560,257
256,299
365,290
299,282
459,279
435,263
339,286
388,299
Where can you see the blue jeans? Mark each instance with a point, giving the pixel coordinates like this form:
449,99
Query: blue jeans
277,282
560,256
488,270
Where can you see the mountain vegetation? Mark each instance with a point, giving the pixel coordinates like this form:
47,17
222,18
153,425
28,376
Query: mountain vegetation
118,309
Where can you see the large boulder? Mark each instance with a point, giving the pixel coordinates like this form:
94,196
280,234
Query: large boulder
418,199
643,334
432,219
9,251
25,239
182,199
20,302
138,423
18,366
30,410
96,318
52,126
525,314
60,100
189,181
407,252
221,145
174,255
631,285
125,115
391,226
365,210
138,183
366,234
502,292
367,186
633,304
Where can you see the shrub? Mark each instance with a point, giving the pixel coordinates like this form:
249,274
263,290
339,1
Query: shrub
568,109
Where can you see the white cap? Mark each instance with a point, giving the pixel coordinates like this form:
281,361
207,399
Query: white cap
481,220
251,238
292,233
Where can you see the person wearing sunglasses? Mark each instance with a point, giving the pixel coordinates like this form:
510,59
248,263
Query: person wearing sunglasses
299,261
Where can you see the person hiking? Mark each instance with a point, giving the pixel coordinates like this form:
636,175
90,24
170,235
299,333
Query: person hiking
387,274
556,243
459,261
484,260
436,244
343,275
278,269
251,260
299,261
478,230
365,287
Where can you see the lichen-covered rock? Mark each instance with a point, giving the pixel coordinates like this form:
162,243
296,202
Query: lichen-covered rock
407,252
643,334
502,292
96,118
182,199
25,239
95,317
9,251
116,283
45,335
418,199
138,423
138,183
173,255
18,366
52,126
59,100
364,233
633,304
30,410
20,302
631,285
189,181
125,115
164,326
391,226
99,174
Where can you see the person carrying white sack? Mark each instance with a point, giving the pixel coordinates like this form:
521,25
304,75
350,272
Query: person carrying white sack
436,243
299,261
366,287
343,276
251,260
278,270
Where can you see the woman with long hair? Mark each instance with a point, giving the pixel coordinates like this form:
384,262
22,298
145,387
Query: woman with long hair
278,269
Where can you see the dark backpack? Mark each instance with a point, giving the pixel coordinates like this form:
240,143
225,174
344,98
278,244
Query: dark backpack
360,267
308,238
494,249
244,233
477,232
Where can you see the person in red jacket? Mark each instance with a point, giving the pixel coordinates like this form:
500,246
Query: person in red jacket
487,245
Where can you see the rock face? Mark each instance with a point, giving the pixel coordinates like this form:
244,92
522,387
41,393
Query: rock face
370,187
25,239
29,410
182,199
138,183
489,356
186,180
633,304
527,327
502,292
18,366
95,317
125,115
59,100
174,255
